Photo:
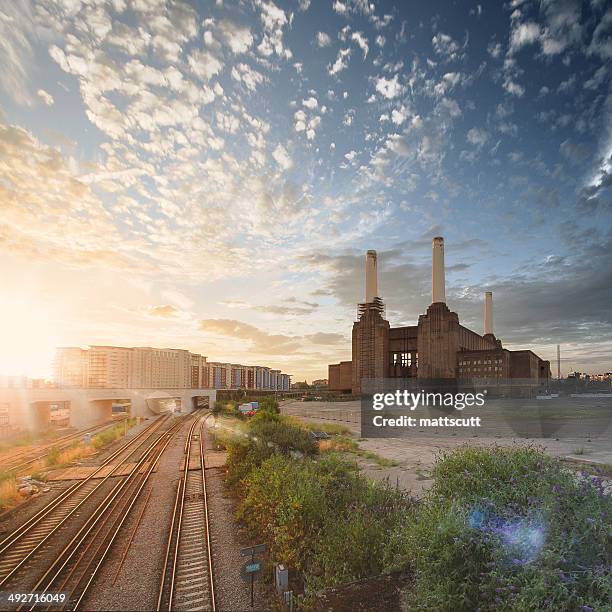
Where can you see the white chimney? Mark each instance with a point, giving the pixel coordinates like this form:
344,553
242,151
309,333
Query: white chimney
488,313
437,270
371,277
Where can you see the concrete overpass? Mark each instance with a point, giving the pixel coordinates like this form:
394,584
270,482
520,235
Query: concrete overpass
30,408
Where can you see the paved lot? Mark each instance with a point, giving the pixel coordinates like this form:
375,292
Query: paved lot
416,454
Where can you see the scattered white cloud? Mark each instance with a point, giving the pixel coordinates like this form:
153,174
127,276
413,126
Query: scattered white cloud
514,88
323,39
46,97
243,73
310,103
339,7
399,115
341,63
494,49
445,46
524,34
477,136
239,39
282,157
204,64
389,88
362,42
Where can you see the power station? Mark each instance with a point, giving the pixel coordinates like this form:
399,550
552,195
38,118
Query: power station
438,347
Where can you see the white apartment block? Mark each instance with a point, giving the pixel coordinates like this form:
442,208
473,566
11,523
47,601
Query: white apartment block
116,367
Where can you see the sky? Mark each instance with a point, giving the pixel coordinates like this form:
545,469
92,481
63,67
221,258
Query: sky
209,175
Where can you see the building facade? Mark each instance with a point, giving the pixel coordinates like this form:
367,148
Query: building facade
437,348
116,367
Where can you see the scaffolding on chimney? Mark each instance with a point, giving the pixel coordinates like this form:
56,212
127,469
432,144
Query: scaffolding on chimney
376,305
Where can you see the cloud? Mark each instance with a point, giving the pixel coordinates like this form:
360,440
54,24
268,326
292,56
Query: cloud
574,152
356,7
448,82
399,115
238,38
39,184
477,136
274,20
282,157
326,338
323,39
306,124
362,42
166,311
46,97
523,34
246,75
389,88
601,42
514,88
278,309
260,341
341,63
494,49
16,30
445,46
310,103
562,25
264,342
204,64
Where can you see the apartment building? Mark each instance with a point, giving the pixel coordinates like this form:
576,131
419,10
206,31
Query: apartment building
109,367
153,368
70,367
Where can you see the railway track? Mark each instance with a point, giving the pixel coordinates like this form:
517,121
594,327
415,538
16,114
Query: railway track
187,581
21,459
33,545
75,568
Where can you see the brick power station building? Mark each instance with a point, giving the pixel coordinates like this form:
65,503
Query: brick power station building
438,347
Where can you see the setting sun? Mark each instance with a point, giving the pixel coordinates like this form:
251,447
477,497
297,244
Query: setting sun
28,338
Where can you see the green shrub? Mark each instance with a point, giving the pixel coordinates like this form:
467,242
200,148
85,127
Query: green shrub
53,456
282,437
269,404
507,529
332,429
266,415
110,435
266,436
321,518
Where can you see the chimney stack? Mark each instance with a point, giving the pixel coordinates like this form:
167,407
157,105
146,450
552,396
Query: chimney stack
371,281
437,270
488,313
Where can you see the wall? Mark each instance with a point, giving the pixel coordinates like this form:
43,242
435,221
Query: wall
340,376
370,348
524,364
438,342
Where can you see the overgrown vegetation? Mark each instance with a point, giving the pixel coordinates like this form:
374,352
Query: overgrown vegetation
58,458
508,529
501,529
108,436
9,496
332,429
319,515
